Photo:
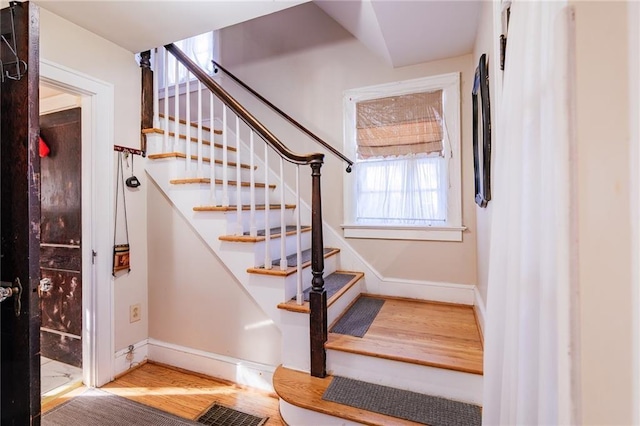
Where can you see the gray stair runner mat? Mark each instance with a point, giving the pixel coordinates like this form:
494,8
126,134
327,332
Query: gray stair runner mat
412,406
357,320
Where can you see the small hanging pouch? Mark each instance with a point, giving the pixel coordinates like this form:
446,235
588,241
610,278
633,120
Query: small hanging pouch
121,259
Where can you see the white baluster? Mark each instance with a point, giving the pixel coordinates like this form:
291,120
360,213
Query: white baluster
212,156
156,89
253,229
299,289
176,108
225,179
267,226
200,130
187,147
283,224
238,181
165,77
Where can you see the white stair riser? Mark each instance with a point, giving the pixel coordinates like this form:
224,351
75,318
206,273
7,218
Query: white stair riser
274,247
202,195
182,130
156,145
260,219
291,281
298,416
177,169
441,382
295,329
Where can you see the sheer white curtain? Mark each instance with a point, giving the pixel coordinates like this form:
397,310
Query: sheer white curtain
403,190
528,364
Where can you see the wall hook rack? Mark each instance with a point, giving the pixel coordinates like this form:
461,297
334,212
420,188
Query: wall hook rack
127,150
19,66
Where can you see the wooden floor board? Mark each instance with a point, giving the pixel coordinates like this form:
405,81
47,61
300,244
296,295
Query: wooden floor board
186,394
434,334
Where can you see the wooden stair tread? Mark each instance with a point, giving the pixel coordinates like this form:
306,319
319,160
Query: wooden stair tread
244,207
182,121
195,157
303,390
275,233
181,136
292,306
426,333
276,271
218,182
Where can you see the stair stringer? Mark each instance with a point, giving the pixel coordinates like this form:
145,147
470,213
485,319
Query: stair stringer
211,225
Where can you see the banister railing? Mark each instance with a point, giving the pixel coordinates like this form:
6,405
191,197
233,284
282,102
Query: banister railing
286,116
221,174
240,111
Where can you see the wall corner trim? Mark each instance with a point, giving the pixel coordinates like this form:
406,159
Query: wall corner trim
481,309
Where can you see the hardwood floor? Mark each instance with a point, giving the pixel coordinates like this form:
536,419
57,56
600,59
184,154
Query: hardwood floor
427,333
185,394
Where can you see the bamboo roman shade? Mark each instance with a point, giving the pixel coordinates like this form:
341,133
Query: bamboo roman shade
400,125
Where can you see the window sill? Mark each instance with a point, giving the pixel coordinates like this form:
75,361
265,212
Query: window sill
421,233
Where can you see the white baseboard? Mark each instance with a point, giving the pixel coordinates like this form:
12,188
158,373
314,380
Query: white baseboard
424,290
242,372
122,364
480,308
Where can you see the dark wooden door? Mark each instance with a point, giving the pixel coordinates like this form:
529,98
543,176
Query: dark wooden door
20,218
60,239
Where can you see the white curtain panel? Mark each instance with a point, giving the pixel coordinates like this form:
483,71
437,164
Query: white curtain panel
403,190
528,369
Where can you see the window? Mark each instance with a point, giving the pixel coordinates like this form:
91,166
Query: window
405,138
200,48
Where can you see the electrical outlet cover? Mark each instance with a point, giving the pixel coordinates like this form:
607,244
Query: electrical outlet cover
134,312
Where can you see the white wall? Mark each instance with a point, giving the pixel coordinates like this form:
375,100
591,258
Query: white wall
485,45
71,46
604,224
302,61
194,300
634,123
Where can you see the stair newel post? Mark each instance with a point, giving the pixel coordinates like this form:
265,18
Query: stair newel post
318,294
146,106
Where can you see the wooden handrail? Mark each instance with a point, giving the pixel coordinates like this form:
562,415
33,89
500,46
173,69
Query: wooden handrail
286,116
241,112
318,294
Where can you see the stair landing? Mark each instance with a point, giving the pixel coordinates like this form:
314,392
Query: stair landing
419,332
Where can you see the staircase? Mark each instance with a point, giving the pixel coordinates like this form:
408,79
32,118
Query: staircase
253,218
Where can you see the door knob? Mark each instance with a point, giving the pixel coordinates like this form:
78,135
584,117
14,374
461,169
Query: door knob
14,290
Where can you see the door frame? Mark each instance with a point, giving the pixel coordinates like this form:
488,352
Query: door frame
97,121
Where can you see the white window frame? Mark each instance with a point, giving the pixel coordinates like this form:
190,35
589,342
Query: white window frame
452,229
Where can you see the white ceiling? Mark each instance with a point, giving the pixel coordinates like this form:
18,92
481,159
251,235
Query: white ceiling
406,32
403,32
144,24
